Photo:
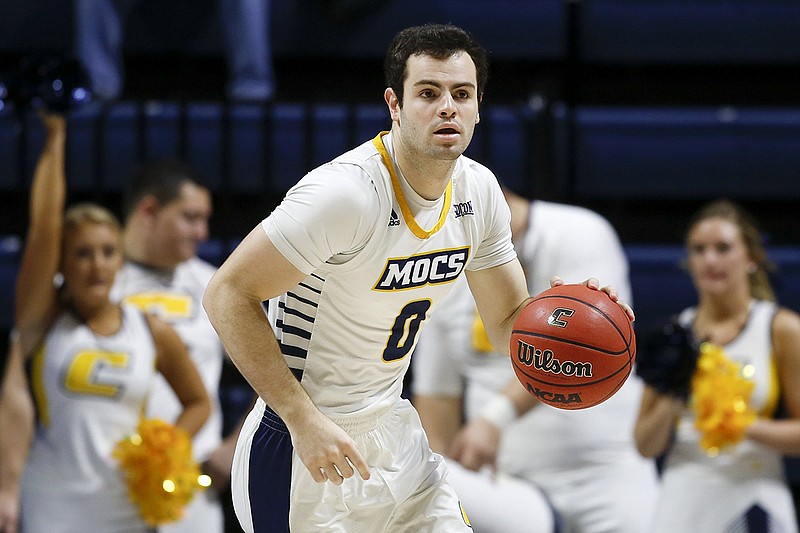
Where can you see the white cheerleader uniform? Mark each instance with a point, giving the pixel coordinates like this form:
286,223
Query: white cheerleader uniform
743,489
175,297
378,260
90,391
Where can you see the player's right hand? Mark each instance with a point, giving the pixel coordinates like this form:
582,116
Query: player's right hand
327,450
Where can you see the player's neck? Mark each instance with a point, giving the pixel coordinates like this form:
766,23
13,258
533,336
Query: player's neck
428,177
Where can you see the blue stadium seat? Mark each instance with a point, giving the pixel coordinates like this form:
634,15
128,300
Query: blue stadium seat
511,143
330,136
661,287
289,147
503,141
370,119
246,144
119,144
82,149
669,153
689,31
204,141
162,130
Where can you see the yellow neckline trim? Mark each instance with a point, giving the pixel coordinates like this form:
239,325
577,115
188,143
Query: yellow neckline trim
411,222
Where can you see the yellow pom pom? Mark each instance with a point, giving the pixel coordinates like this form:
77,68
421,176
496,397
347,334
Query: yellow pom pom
160,472
720,399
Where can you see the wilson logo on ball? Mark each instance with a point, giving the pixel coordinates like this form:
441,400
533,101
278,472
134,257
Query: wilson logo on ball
545,360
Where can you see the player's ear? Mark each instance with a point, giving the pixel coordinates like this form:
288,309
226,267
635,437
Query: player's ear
394,104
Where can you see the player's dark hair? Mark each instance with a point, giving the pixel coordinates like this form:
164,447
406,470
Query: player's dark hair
439,41
163,179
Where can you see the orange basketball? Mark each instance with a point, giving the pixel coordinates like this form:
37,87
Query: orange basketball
572,347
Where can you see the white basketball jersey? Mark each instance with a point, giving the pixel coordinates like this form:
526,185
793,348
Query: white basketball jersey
90,391
349,328
175,296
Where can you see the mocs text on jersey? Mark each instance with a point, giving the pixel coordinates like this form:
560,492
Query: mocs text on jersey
441,266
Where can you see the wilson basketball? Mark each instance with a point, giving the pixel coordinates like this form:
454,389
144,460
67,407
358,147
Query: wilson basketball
572,347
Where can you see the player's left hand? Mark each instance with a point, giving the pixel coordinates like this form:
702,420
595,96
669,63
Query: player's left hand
593,283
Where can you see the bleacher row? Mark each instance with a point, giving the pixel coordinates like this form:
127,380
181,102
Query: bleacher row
594,152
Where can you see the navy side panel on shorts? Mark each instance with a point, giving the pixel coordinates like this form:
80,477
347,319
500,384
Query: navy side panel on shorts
270,475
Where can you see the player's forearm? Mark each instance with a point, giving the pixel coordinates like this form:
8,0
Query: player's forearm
253,348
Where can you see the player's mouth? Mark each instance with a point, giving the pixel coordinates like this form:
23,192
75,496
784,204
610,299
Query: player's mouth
447,132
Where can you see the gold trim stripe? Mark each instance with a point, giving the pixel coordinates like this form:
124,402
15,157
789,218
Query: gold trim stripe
411,222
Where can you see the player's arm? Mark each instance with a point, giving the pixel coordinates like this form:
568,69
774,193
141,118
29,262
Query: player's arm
16,432
174,363
256,271
35,293
500,293
783,435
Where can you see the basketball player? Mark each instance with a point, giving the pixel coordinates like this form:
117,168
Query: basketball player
743,487
92,362
353,262
585,461
167,209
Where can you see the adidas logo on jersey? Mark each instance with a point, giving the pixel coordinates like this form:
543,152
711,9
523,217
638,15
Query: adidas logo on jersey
394,220
432,268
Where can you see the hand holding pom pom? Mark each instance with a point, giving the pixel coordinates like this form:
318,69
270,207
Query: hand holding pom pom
161,475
